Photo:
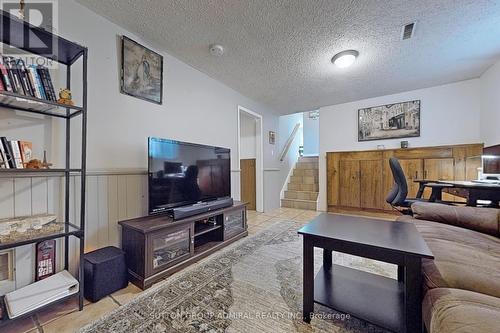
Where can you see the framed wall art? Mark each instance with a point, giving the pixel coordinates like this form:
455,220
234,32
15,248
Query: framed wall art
391,121
142,72
272,137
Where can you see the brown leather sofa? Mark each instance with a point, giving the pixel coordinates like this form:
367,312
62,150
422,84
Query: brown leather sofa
462,283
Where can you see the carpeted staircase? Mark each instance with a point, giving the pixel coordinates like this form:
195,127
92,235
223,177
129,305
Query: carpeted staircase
302,190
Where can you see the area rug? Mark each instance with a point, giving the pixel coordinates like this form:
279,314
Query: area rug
254,285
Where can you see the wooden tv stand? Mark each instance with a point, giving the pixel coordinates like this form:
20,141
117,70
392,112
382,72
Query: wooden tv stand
158,246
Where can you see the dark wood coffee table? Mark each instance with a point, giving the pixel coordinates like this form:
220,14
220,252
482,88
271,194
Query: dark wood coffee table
389,303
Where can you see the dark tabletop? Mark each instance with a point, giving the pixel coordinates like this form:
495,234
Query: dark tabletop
398,236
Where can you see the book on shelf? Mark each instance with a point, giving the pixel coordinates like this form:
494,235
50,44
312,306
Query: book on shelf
7,151
2,159
2,88
33,80
15,154
18,159
39,92
5,160
47,83
14,77
26,149
5,78
25,80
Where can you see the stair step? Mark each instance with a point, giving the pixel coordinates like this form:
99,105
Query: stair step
303,187
298,204
305,172
307,165
304,180
309,159
303,195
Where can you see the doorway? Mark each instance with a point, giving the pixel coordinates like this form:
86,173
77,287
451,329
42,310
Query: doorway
250,164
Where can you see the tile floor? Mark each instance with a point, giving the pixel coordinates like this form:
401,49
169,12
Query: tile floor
65,318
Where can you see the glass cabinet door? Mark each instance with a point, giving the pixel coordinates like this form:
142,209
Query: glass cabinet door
234,223
169,247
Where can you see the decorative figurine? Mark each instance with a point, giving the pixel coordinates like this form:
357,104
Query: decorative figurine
34,164
37,164
65,97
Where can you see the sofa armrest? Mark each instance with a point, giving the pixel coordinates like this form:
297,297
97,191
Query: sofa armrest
485,220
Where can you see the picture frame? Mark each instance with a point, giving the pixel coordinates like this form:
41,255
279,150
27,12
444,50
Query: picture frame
272,137
141,72
389,121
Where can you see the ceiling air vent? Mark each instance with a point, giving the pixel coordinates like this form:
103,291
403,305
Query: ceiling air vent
408,31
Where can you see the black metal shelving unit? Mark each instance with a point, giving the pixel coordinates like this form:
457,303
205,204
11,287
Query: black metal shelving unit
22,35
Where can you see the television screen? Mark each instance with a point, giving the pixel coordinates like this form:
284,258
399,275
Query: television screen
182,173
491,160
491,165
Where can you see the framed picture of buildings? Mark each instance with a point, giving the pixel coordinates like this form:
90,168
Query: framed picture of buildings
391,121
142,72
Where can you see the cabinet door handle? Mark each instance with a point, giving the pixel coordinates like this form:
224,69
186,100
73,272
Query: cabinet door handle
425,174
416,174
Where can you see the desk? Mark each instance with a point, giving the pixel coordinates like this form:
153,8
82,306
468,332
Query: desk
473,191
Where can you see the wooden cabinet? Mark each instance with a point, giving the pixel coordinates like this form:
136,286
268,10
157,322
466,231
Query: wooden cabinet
413,169
349,180
362,179
157,246
371,184
441,169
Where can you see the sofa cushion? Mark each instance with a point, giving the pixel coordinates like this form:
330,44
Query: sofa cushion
486,220
463,258
460,311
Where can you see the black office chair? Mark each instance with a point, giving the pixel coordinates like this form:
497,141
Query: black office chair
398,196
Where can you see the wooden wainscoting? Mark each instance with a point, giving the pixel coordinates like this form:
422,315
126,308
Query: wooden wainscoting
111,197
360,180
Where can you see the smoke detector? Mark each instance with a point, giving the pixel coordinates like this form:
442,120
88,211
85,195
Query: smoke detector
216,50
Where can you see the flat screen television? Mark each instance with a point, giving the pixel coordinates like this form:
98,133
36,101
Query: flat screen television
182,173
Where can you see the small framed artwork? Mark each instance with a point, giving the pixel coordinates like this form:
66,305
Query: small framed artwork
272,137
142,72
45,259
391,121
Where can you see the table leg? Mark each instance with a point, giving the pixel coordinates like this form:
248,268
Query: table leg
401,273
413,295
472,198
436,195
327,259
308,283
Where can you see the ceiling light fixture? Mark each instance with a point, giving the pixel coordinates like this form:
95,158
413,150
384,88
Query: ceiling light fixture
345,58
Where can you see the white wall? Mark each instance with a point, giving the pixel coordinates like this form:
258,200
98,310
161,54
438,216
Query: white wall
490,105
286,125
311,135
196,108
248,147
449,115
